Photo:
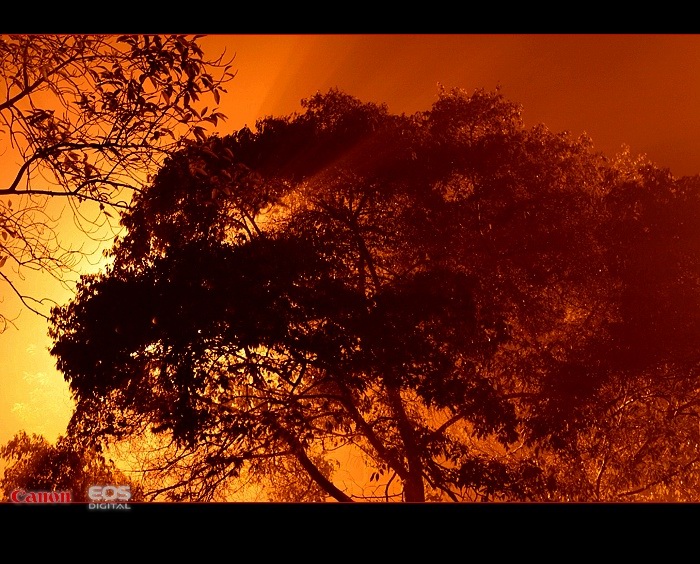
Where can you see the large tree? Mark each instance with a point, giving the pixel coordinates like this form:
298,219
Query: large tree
85,120
473,309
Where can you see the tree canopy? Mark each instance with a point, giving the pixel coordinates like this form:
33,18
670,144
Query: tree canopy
86,120
37,465
469,308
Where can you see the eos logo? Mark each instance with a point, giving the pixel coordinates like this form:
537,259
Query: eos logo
109,497
109,494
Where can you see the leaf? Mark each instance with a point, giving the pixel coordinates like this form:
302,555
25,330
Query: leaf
199,133
2,261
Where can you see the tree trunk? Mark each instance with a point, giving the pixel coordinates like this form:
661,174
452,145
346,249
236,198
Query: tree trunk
414,488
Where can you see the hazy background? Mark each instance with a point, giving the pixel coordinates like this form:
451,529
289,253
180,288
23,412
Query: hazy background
639,90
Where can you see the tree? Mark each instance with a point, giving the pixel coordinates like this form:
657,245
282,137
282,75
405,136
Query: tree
440,294
87,119
643,360
37,465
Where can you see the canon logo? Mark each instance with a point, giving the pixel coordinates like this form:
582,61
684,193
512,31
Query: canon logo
23,496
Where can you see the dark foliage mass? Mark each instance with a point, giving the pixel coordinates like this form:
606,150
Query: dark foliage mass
476,310
35,465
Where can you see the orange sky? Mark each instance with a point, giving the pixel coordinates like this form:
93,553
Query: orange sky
640,90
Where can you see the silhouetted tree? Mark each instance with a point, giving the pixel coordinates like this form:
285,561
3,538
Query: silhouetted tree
635,389
34,464
449,295
87,119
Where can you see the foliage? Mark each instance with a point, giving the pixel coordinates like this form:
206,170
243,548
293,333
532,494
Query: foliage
87,119
34,464
479,310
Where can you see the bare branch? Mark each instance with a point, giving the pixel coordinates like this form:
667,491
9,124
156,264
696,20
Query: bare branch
91,118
